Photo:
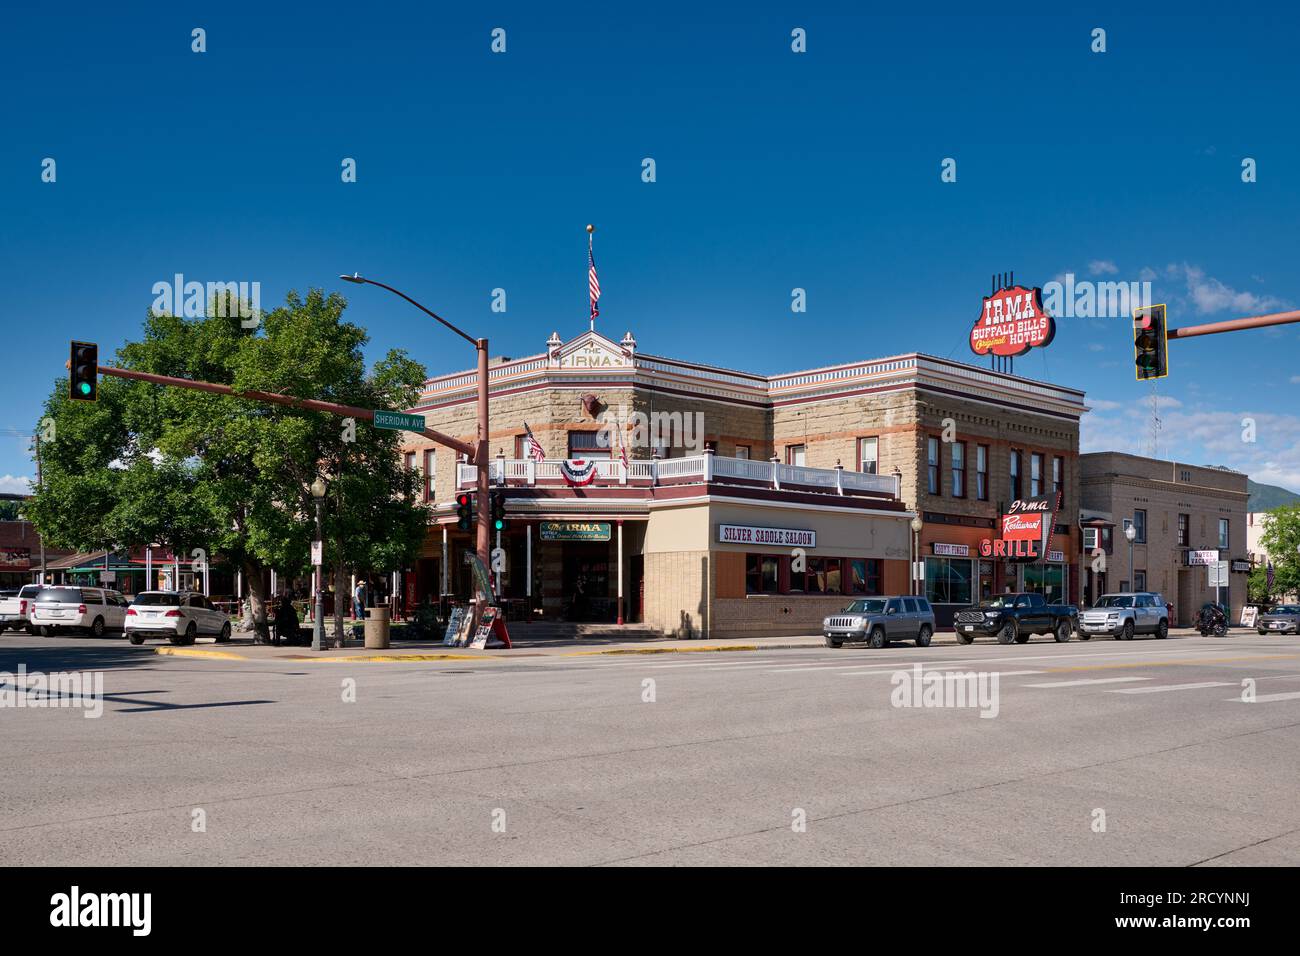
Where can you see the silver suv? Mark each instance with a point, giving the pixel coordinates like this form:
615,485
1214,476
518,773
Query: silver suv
879,620
1123,615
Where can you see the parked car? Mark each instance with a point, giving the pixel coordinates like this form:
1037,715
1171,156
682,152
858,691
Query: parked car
1282,619
1124,614
179,616
16,607
879,620
92,610
1013,618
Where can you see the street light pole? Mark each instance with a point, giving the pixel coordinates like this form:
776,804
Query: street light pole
318,623
483,539
1130,532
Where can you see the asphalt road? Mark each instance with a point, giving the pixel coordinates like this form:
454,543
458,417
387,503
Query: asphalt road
565,760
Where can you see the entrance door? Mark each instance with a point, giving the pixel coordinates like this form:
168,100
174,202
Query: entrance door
637,589
586,581
1184,610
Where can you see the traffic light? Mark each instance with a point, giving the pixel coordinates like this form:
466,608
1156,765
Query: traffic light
465,511
1150,342
83,372
498,511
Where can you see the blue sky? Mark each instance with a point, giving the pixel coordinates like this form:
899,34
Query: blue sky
775,170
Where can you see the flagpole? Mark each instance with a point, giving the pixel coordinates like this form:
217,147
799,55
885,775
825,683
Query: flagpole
591,271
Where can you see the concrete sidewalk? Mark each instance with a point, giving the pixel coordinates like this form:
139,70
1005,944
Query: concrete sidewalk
243,649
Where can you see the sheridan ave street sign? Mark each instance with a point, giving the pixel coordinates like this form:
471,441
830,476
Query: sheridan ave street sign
399,421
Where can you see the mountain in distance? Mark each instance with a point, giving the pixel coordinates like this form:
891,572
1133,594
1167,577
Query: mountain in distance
1268,497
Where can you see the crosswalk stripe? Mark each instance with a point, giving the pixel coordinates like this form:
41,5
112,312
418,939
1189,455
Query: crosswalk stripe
1161,688
1081,683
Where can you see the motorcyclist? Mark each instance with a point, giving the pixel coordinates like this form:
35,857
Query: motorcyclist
1213,619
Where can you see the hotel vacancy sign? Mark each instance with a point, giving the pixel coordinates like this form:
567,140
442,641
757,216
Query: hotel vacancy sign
778,537
1012,322
575,531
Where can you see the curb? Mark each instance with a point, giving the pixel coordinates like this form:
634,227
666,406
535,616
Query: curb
693,650
194,652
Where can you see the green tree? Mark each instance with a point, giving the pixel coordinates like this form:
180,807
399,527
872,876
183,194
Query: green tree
9,510
151,463
1281,539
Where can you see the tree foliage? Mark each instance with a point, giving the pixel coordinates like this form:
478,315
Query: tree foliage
1281,539
157,464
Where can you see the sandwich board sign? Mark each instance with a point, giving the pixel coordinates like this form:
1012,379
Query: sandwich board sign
485,625
454,623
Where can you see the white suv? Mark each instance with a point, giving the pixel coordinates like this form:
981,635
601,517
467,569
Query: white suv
93,610
179,616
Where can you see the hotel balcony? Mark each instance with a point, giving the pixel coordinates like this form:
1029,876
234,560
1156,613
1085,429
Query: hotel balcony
706,469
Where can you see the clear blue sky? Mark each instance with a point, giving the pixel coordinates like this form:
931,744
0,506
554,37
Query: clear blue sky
775,170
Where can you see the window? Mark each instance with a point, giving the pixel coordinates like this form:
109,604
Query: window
1140,526
1015,475
1058,474
742,452
958,454
409,460
864,576
430,473
932,465
982,472
822,576
794,455
868,449
910,605
587,445
762,574
1140,581
947,580
1223,532
1035,475
1184,522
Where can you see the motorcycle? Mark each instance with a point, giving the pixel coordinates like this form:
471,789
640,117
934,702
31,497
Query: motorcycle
1213,620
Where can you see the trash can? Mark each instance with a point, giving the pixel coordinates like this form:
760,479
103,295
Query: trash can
376,628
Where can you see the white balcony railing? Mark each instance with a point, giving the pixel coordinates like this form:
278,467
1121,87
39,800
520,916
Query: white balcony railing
703,468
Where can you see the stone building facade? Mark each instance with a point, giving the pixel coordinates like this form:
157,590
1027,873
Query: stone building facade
1184,516
842,455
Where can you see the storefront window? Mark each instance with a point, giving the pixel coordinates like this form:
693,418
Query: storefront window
1047,580
762,574
947,580
864,576
822,577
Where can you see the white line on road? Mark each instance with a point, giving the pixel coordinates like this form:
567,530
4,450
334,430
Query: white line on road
936,669
1162,688
1082,683
1264,698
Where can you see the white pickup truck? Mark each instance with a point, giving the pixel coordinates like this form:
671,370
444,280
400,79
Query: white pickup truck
16,607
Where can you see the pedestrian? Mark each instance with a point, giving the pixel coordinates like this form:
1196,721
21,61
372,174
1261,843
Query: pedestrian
359,601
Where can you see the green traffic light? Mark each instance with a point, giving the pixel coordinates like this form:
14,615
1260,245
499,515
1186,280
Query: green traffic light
84,388
498,524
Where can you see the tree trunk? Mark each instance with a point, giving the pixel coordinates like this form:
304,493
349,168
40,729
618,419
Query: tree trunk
342,600
256,600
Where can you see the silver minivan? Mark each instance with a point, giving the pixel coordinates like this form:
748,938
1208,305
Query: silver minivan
879,620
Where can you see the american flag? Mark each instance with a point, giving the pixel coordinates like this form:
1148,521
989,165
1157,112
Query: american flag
533,448
622,449
593,284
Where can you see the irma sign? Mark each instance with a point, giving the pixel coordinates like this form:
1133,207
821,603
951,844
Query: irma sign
1027,527
1012,322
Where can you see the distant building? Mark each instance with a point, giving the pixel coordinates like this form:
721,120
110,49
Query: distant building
1184,517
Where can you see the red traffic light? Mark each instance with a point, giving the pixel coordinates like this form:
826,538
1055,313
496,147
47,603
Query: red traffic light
462,500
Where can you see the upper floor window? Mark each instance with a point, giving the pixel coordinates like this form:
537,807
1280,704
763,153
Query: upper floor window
742,451
932,465
587,445
795,455
1035,475
1223,532
409,460
430,473
982,472
1184,521
1058,474
958,453
868,450
1140,525
1015,475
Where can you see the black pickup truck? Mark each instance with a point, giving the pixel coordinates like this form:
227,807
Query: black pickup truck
1013,618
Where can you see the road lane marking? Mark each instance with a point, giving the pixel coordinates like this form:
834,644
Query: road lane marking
1201,660
937,670
1162,688
1081,683
1263,698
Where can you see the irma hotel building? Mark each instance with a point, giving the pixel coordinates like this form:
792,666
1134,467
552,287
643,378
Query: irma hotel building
790,496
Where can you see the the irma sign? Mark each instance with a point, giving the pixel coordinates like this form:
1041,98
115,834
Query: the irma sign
1012,322
780,537
1027,529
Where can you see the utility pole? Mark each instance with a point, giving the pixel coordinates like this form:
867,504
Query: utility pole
38,485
